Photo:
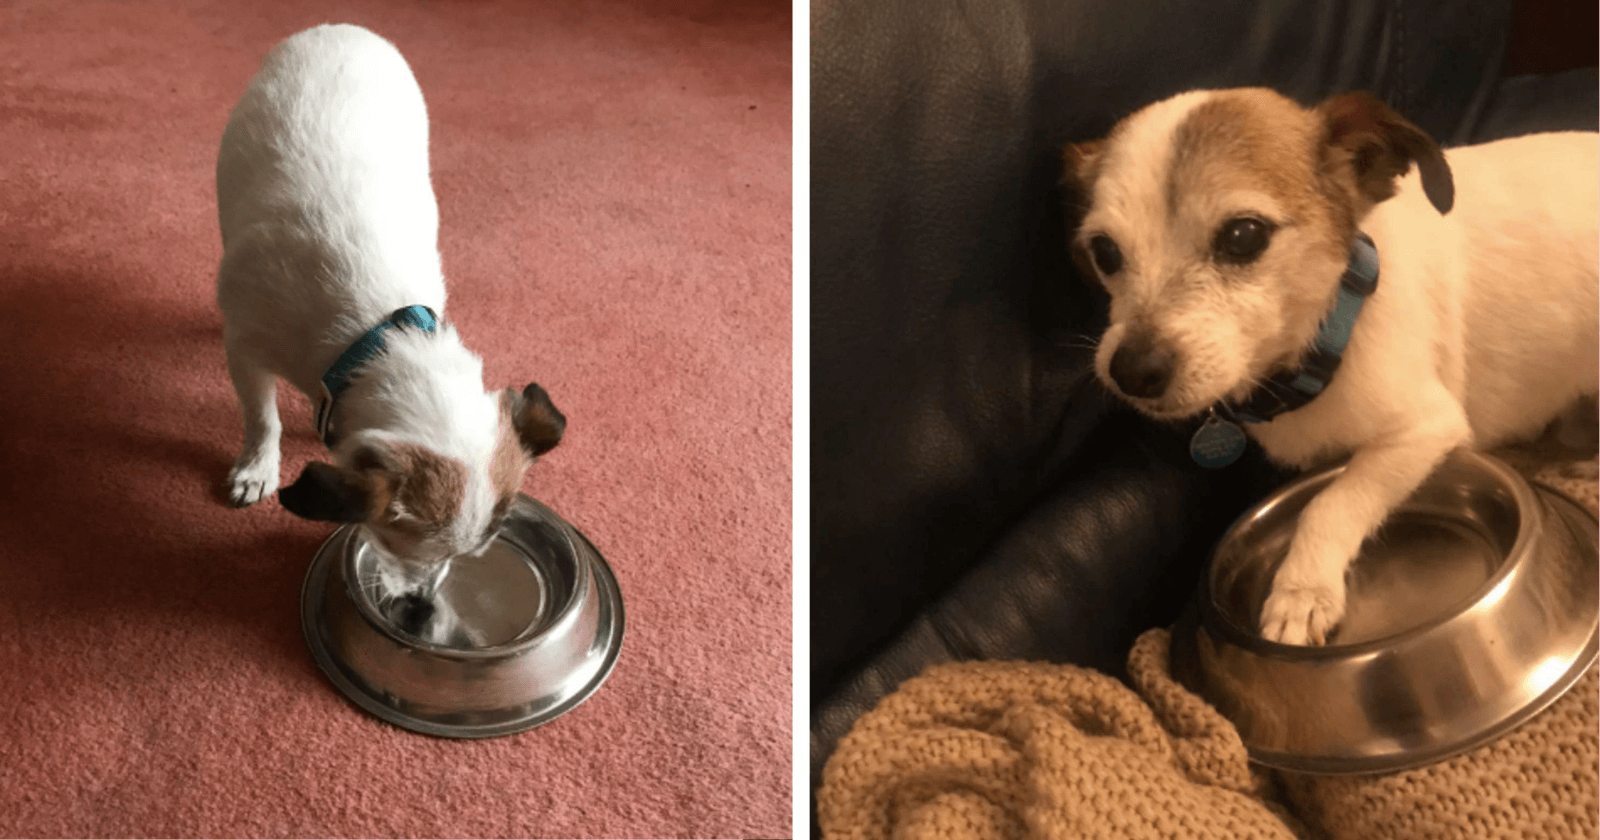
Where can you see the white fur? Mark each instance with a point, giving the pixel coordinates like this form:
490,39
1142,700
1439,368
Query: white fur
329,225
1483,329
1141,156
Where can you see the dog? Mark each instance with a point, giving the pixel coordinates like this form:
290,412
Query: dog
1333,282
331,280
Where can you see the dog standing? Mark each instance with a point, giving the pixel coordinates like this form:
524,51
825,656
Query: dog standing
330,279
1225,226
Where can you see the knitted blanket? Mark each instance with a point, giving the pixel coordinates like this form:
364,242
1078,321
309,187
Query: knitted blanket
1057,752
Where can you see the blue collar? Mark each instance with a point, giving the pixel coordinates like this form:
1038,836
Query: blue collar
370,344
1220,441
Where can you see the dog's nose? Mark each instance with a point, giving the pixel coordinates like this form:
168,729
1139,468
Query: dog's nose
411,613
1141,367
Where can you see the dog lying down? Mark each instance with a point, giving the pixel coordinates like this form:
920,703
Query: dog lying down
331,280
1333,283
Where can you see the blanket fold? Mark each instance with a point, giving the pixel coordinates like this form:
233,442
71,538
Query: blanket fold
1020,749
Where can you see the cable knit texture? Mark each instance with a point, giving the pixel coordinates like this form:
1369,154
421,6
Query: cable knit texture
1036,750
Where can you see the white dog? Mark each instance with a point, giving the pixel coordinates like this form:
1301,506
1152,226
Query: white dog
1226,227
330,279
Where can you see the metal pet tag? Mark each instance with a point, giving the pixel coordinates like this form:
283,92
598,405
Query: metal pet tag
1217,444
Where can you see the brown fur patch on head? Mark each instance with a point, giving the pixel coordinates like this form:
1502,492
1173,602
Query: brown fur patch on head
1255,139
422,490
1326,166
510,461
433,486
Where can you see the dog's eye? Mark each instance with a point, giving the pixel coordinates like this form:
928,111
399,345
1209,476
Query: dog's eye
1242,240
1107,256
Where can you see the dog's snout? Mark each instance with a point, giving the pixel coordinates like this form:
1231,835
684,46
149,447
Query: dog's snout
1142,366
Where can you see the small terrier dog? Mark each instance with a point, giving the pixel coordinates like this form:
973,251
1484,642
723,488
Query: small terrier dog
1235,233
330,279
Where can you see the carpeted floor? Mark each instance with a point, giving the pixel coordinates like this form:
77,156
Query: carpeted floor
614,184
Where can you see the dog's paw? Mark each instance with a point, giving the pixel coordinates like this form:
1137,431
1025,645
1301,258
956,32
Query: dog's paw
251,482
1303,615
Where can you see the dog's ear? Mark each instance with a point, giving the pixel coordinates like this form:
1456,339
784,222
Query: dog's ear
538,422
1380,146
1080,161
327,493
1080,165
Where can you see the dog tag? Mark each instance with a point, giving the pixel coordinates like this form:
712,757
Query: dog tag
1217,444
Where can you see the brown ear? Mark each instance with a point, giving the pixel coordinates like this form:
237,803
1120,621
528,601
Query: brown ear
1380,146
326,493
538,423
1080,161
1080,165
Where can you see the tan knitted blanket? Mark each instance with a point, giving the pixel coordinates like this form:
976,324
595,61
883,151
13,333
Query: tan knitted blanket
1035,750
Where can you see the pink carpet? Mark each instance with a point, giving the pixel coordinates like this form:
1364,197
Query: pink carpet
614,184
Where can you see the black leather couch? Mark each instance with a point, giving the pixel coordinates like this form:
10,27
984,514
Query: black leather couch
974,492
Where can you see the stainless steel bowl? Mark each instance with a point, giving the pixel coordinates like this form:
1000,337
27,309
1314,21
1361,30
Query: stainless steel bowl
539,624
1472,609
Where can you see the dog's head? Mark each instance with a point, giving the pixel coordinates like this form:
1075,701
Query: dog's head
1220,223
423,505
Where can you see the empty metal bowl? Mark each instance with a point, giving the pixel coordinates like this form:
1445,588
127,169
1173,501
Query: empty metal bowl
537,627
1471,610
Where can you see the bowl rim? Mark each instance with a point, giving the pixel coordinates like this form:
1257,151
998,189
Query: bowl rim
1531,522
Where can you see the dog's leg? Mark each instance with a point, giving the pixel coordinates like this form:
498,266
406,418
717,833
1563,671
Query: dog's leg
1308,592
255,472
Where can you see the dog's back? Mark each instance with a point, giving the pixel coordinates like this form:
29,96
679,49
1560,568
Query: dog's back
1531,307
328,217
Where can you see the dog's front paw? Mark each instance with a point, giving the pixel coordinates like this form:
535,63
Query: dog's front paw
1301,615
251,482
